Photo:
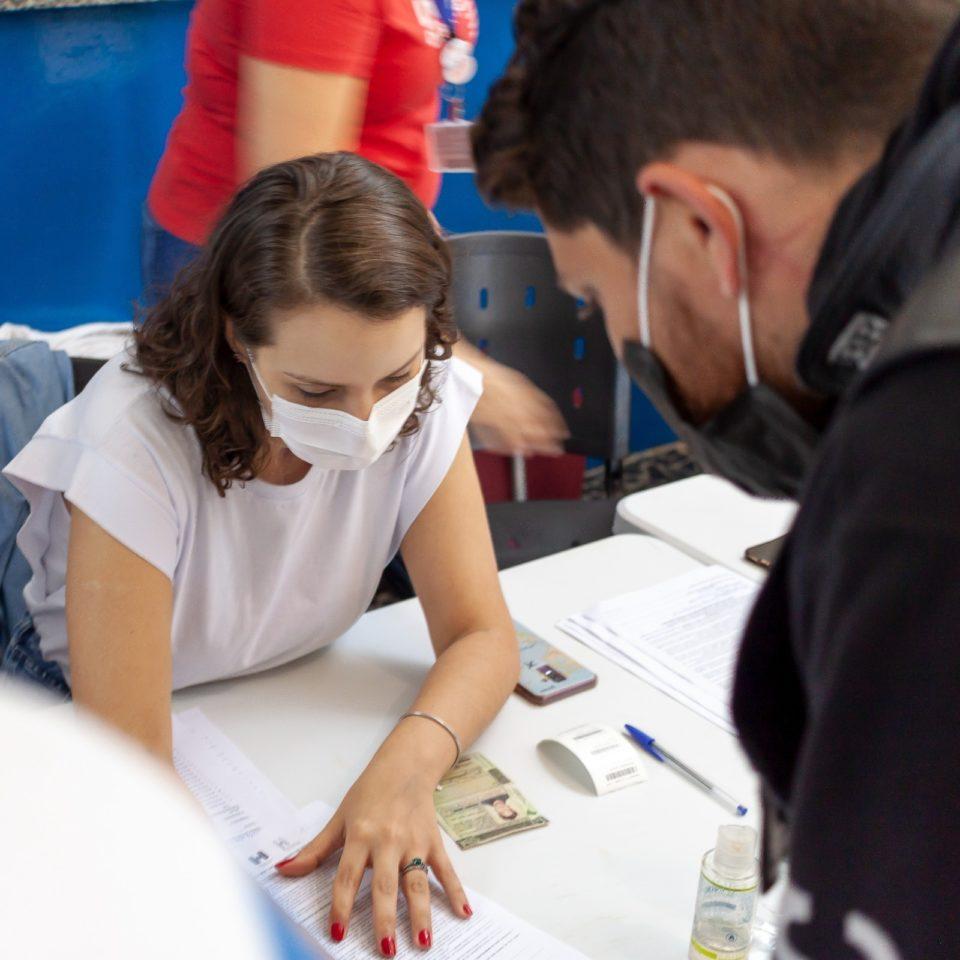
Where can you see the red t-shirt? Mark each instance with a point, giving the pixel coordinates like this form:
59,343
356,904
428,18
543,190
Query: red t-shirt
392,44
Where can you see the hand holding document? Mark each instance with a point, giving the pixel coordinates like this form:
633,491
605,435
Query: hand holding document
254,818
682,635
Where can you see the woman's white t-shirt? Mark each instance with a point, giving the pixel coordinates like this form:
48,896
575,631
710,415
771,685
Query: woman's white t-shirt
260,576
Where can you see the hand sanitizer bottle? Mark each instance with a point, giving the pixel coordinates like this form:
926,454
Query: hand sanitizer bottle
726,897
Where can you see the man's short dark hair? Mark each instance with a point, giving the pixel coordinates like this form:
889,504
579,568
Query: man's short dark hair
596,89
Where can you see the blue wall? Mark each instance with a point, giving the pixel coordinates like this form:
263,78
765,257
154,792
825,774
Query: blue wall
460,207
89,94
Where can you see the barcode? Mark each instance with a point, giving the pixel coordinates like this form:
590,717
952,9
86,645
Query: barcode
622,772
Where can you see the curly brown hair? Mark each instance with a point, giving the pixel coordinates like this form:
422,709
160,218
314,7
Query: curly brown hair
331,228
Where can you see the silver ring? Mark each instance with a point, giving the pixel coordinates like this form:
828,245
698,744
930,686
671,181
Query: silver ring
415,864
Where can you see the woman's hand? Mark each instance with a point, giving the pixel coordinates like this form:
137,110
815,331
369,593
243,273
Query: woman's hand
385,821
513,415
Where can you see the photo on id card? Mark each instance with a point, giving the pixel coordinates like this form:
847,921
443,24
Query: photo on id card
476,803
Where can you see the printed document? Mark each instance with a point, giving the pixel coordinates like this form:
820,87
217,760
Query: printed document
682,635
255,819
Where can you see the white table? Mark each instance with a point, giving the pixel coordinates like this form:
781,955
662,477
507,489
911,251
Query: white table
614,876
708,518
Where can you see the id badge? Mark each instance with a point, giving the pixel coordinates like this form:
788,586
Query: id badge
448,146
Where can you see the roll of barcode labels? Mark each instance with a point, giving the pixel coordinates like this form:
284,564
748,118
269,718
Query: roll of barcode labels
607,757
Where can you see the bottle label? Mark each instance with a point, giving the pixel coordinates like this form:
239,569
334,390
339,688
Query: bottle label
698,952
723,922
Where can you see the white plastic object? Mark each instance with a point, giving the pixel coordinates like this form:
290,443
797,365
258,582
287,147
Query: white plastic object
735,853
457,62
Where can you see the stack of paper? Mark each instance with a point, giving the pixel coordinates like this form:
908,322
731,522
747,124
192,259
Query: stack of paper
682,635
262,827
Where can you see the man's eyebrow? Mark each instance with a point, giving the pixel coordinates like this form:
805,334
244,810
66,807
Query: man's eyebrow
323,383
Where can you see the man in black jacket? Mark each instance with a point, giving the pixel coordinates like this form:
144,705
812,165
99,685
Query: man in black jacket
764,200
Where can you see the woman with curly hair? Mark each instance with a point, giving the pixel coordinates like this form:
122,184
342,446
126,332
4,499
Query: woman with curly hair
224,496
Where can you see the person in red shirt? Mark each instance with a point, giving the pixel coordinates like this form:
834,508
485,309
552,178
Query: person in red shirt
272,80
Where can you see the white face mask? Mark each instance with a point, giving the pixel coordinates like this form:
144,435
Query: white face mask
333,439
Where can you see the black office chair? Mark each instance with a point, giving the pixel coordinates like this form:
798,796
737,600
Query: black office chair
84,370
506,302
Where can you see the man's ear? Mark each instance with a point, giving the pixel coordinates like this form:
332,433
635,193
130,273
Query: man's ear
714,219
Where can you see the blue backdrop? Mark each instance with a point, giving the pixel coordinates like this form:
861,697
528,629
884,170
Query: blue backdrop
89,94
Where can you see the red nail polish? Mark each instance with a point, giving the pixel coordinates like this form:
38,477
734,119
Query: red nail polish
283,863
336,931
388,947
425,938
467,910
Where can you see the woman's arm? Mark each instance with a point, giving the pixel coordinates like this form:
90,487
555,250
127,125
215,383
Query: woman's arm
119,615
449,554
289,112
388,816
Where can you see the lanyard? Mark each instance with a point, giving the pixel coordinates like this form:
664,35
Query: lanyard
448,141
456,59
448,15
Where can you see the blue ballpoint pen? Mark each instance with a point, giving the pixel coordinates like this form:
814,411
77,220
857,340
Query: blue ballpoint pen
650,745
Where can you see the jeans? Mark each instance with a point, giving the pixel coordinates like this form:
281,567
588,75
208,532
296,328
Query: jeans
22,659
162,257
34,381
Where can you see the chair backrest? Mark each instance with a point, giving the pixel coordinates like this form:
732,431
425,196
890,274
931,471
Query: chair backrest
507,303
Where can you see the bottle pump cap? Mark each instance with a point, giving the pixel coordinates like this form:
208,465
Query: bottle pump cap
736,849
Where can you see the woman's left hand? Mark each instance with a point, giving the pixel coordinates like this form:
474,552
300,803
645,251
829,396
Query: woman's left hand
384,822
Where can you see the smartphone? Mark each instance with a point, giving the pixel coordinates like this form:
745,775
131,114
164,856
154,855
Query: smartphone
546,673
764,554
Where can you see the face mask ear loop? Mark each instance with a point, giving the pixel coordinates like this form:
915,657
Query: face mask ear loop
743,298
256,373
267,418
643,284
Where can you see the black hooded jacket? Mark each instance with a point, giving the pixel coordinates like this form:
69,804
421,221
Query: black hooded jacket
847,696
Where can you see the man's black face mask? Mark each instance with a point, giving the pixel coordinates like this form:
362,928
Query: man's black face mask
758,441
